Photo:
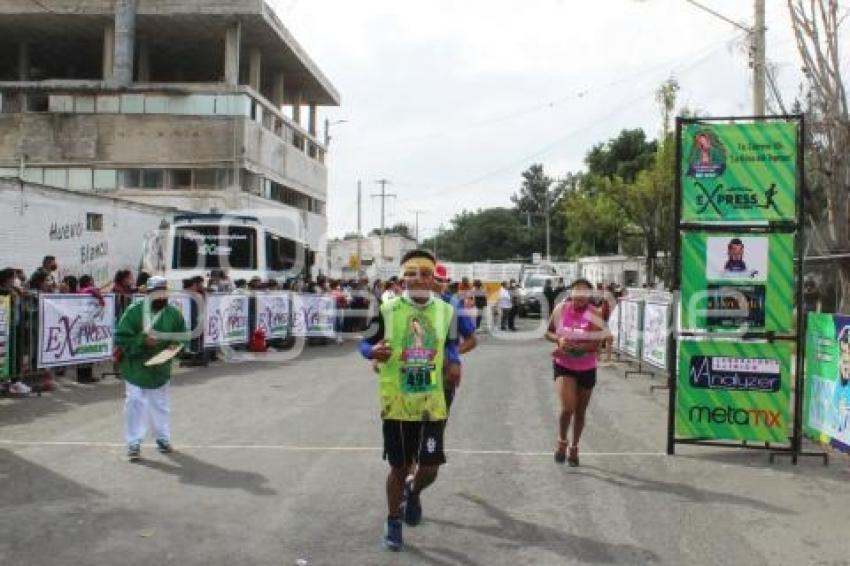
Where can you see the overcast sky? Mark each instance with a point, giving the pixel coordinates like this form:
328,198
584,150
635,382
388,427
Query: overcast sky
452,100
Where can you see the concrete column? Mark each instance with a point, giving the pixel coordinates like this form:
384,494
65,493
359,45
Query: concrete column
125,41
255,69
296,117
232,38
108,51
296,108
312,118
144,62
278,91
23,61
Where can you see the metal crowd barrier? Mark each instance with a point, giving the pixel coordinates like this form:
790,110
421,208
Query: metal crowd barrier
29,330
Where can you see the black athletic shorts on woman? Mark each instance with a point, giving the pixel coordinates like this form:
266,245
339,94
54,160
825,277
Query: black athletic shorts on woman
586,379
410,442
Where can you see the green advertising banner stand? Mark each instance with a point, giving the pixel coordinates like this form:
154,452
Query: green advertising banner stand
737,350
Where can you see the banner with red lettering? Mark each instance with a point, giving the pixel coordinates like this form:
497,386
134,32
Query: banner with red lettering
74,329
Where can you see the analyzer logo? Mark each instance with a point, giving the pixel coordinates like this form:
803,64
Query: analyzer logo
735,374
734,416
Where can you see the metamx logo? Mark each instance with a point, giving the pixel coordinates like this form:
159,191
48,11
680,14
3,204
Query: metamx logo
734,416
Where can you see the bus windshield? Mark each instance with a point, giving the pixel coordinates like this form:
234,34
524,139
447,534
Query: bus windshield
215,247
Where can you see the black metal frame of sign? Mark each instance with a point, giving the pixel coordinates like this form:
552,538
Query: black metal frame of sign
794,446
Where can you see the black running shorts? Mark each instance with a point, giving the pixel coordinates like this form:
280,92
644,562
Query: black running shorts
586,379
410,442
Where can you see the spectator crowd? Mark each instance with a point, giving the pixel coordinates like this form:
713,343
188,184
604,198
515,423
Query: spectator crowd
356,300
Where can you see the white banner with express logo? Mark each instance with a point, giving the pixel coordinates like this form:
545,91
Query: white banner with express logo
74,329
178,300
273,314
313,315
655,317
630,327
226,320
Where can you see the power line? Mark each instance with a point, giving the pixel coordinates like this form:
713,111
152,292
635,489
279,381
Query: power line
536,107
548,147
551,145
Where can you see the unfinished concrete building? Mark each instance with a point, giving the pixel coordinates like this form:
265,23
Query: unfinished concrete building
203,105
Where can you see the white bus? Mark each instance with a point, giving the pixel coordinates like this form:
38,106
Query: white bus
197,244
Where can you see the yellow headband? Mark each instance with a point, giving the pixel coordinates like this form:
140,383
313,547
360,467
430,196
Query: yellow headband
417,264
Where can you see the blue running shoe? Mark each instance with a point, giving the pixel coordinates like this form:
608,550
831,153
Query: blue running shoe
392,535
134,452
411,506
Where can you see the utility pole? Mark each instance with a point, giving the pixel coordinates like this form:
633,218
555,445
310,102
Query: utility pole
758,57
359,232
759,61
417,213
383,196
437,241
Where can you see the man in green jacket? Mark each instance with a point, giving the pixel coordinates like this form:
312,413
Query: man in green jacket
147,328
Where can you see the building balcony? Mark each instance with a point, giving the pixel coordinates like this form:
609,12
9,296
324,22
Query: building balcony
86,134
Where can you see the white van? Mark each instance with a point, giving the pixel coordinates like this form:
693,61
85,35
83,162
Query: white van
196,244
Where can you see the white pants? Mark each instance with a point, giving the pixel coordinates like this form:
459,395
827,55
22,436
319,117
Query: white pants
141,405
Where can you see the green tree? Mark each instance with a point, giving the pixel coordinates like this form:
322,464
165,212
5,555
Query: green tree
590,219
591,214
531,208
486,234
646,204
624,156
400,229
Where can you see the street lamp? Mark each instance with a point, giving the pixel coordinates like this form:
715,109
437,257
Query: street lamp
328,125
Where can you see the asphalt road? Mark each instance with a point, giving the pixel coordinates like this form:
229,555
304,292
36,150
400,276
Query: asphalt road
280,464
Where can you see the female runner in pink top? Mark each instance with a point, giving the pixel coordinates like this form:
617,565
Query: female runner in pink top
577,328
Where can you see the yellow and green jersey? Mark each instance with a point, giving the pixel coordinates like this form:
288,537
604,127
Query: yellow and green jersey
411,381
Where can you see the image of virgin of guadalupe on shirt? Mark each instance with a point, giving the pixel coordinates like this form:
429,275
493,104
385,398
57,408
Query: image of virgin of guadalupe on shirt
418,356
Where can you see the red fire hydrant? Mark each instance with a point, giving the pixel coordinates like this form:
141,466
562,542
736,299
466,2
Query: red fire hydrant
258,341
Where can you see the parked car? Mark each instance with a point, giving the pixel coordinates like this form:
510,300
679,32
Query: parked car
531,293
